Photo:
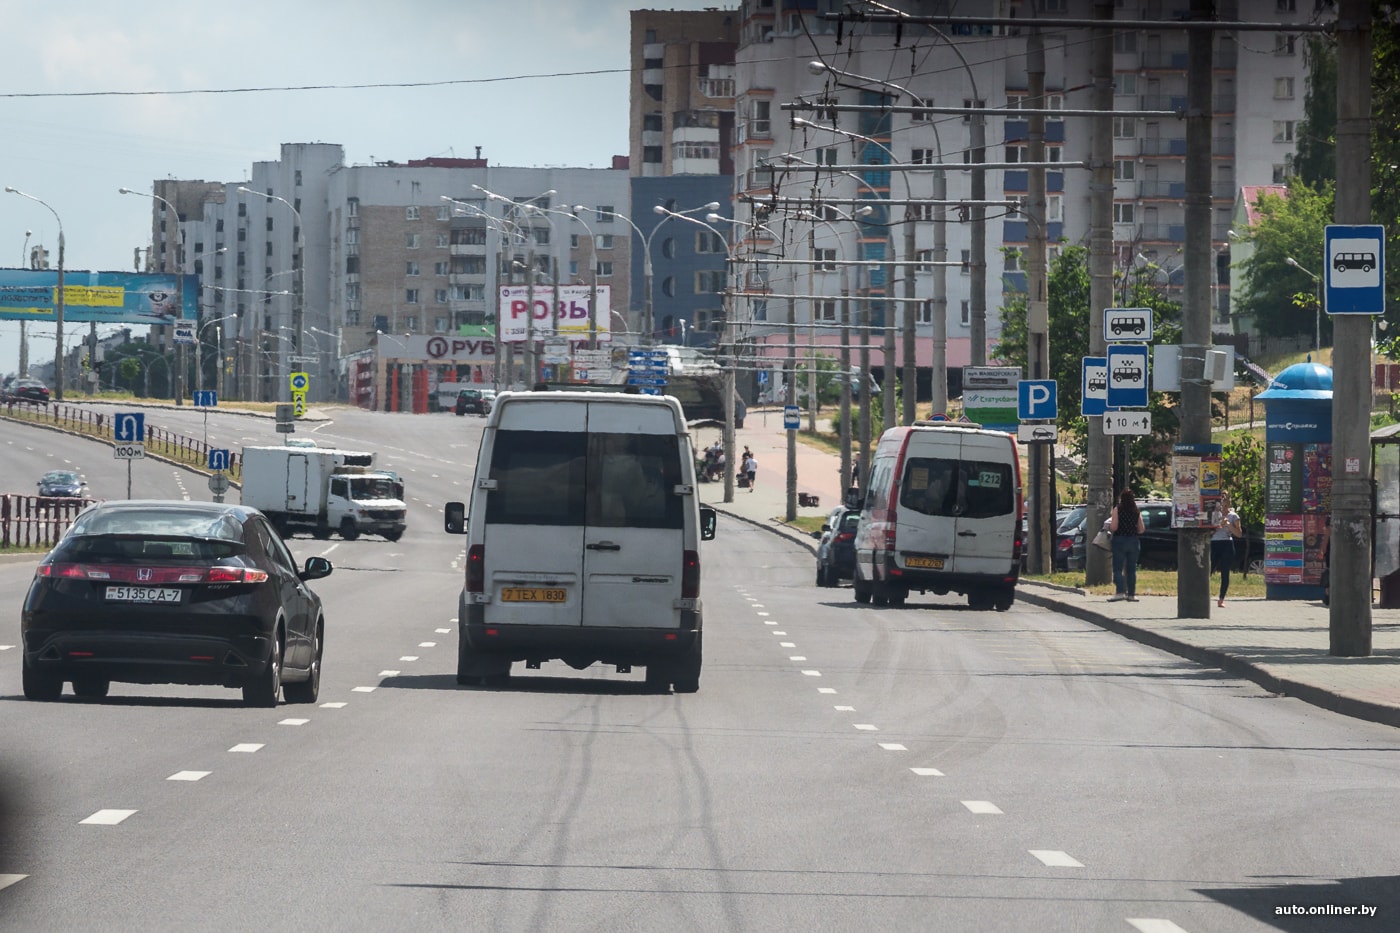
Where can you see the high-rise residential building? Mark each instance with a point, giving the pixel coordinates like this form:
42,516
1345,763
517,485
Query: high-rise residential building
682,131
832,160
415,247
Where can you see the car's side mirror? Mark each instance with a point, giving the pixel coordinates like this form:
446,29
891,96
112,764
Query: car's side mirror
709,520
315,569
454,518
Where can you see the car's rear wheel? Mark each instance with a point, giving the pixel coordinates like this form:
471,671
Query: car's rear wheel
1004,598
38,685
309,689
265,689
981,600
91,688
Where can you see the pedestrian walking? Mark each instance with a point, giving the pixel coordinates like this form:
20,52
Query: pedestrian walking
1126,525
750,467
855,471
1222,544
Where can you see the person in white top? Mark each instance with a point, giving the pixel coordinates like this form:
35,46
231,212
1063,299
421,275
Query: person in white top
1222,544
751,468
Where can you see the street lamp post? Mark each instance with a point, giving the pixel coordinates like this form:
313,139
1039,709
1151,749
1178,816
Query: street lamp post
1317,300
299,306
23,339
178,382
58,299
503,228
531,364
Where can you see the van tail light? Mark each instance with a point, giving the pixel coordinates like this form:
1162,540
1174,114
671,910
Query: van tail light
476,568
690,575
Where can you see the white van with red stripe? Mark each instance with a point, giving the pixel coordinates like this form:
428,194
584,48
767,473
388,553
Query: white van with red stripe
583,539
941,514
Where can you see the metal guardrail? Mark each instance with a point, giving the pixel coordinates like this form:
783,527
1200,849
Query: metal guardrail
36,521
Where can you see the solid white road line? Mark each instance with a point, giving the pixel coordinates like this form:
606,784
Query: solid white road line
927,772
981,806
247,747
189,775
333,705
1055,858
1153,925
107,817
293,722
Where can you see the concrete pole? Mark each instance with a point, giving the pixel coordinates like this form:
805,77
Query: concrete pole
978,297
790,398
1098,568
1350,617
527,352
887,344
58,325
1038,305
864,325
908,313
845,381
938,317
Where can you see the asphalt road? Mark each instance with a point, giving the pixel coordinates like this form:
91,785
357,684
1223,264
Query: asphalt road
843,767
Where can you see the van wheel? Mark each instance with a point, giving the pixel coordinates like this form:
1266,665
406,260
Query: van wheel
862,590
480,667
685,676
897,597
348,529
980,600
1004,598
658,676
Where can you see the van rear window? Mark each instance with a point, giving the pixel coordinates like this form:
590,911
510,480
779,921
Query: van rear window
966,488
572,478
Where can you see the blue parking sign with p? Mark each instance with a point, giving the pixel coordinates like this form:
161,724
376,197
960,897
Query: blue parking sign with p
1036,400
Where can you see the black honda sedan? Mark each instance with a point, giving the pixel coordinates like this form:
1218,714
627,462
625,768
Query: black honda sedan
156,592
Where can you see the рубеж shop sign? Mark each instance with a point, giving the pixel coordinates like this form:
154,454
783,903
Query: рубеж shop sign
571,318
437,348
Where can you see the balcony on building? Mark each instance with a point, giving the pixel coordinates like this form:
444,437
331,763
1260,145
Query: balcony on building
1162,146
1161,190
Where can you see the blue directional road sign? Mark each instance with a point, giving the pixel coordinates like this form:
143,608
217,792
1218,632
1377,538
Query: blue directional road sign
1127,376
205,398
1093,386
792,418
129,427
1355,273
1036,400
298,381
218,458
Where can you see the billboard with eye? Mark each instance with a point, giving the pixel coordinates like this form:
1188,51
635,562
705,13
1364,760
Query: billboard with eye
103,297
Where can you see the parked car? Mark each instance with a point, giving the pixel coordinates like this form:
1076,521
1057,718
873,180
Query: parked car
474,401
836,550
1067,555
64,483
1159,540
30,390
173,592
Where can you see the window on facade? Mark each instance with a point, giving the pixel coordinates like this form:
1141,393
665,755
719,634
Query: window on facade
352,236
1285,44
1012,260
1283,89
1286,6
410,323
826,310
440,296
966,259
411,213
1280,174
269,248
1124,169
826,258
1125,85
573,241
708,281
923,313
921,102
1123,212
410,268
651,154
352,291
965,312
1283,131
605,213
924,156
925,258
668,248
439,268
970,104
242,209
605,268
652,123
219,225
410,296
668,286
352,207
269,225
707,242
1124,41
411,240
760,123
444,212
1124,128
1054,208
604,241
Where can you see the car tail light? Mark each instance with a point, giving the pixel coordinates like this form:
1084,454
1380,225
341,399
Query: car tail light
690,575
70,571
235,575
843,537
1066,544
476,568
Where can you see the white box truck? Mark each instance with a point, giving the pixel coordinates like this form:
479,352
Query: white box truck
324,491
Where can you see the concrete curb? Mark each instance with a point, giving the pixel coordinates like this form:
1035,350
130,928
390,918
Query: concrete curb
1239,667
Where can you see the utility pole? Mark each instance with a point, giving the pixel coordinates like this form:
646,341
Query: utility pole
1037,303
790,398
1193,544
1098,567
1350,616
910,312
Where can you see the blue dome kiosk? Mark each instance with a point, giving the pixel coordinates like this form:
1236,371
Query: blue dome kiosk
1297,480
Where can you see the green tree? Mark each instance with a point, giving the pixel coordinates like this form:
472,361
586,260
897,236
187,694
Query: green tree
1242,475
1281,298
1316,161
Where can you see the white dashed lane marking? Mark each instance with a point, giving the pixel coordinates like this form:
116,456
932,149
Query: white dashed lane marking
107,817
6,647
427,644
867,727
293,722
332,706
982,806
798,657
812,673
7,880
845,709
362,689
247,747
189,775
786,644
826,689
1055,858
927,772
388,673
443,631
779,633
893,747
409,657
1154,925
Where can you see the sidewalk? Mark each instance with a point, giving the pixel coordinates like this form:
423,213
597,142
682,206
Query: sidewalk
1280,645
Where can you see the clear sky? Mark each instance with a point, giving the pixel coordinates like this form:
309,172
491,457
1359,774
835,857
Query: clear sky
525,92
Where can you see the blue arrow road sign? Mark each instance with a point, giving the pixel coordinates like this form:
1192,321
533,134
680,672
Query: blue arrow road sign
1036,400
1355,273
1093,386
1127,376
129,427
205,398
218,458
792,418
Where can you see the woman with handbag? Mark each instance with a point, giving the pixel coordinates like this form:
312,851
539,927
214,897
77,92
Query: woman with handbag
1126,526
1222,544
